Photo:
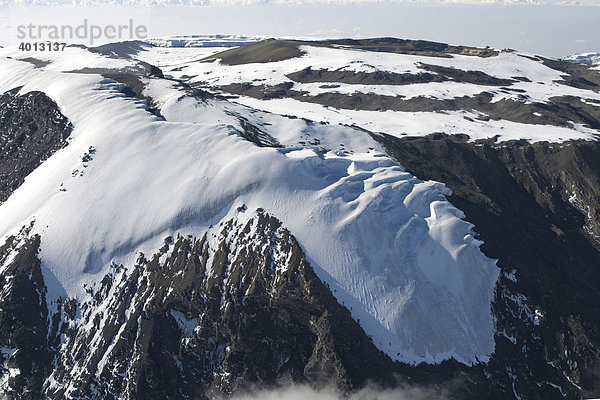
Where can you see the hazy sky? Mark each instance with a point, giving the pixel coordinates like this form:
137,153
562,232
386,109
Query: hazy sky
550,30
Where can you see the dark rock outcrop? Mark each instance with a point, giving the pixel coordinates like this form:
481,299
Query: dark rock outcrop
26,355
272,50
32,128
202,317
309,75
558,111
537,208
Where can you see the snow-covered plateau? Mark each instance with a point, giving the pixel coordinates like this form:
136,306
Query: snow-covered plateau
391,247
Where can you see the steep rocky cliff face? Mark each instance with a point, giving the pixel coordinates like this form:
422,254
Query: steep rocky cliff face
208,316
201,317
25,352
31,129
541,201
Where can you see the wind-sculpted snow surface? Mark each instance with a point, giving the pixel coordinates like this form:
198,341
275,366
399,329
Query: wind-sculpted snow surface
392,249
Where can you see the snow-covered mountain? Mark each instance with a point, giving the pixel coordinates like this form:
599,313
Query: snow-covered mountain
328,194
252,213
584,58
204,40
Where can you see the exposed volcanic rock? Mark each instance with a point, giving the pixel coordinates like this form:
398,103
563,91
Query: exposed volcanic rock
420,78
202,316
131,79
420,47
435,73
577,75
309,75
255,134
272,50
541,201
32,128
560,111
26,355
266,51
240,306
36,61
474,77
121,49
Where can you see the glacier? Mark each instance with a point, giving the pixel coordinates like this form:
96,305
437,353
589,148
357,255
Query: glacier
391,247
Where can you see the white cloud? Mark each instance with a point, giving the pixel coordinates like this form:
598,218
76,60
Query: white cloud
303,392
